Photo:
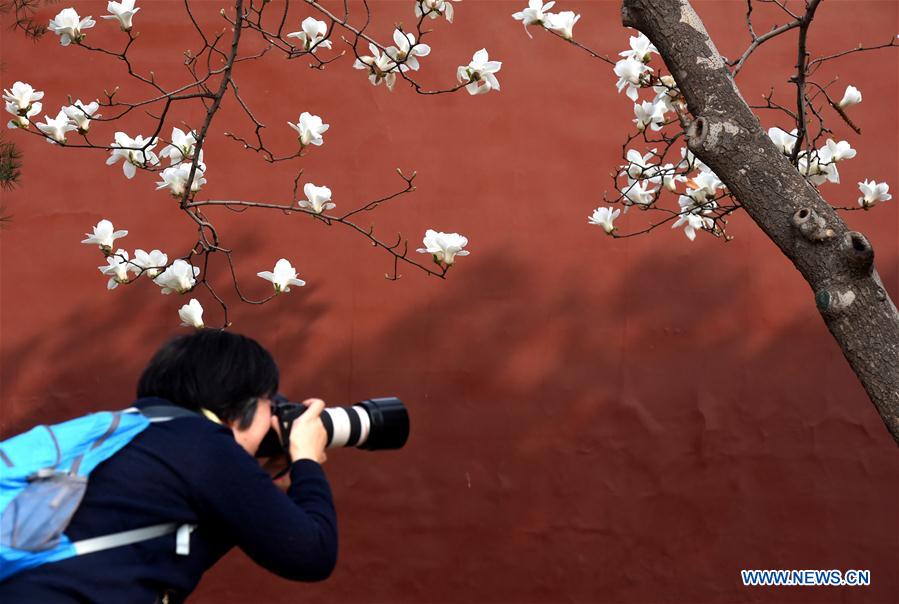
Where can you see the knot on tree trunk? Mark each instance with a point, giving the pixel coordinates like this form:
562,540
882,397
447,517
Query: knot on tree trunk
834,300
858,253
811,226
709,133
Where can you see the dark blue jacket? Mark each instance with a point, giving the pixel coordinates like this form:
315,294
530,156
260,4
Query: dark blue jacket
187,470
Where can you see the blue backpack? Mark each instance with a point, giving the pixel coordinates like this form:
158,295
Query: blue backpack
43,478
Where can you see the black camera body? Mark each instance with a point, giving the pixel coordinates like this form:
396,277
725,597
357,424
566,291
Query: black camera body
373,424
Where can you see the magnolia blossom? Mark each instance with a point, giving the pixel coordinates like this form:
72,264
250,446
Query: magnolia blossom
191,314
117,268
839,151
133,152
667,175
604,217
318,199
434,8
56,128
406,50
81,114
68,25
696,204
703,185
282,277
444,246
649,114
562,23
783,140
21,121
691,223
873,192
630,74
667,93
818,167
639,166
852,96
310,128
534,14
123,11
479,73
182,147
175,178
639,193
104,235
381,67
312,34
641,48
151,264
179,277
20,98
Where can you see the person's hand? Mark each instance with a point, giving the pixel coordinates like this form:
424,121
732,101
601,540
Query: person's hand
307,435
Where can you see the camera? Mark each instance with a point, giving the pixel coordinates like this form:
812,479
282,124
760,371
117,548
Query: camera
374,424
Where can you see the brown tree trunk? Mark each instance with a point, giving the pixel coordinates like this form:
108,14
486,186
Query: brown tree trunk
838,264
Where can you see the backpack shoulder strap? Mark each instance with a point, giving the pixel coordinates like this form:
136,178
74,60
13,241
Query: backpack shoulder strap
96,544
164,413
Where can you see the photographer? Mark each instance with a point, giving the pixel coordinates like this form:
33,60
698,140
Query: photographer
197,470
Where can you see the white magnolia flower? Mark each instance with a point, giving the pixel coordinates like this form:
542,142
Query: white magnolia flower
191,314
873,192
696,204
56,128
117,269
638,192
21,96
182,147
406,50
667,175
692,223
179,277
534,14
380,66
310,128
68,25
649,114
668,94
639,166
703,185
175,178
133,152
81,114
123,11
818,168
444,246
104,235
150,264
630,74
640,50
312,34
562,23
852,96
604,217
479,73
785,141
282,277
318,199
839,151
434,8
21,121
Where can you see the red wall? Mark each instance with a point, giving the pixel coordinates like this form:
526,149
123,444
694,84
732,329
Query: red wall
593,420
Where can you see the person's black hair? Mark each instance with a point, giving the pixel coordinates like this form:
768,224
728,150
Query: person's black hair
221,371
